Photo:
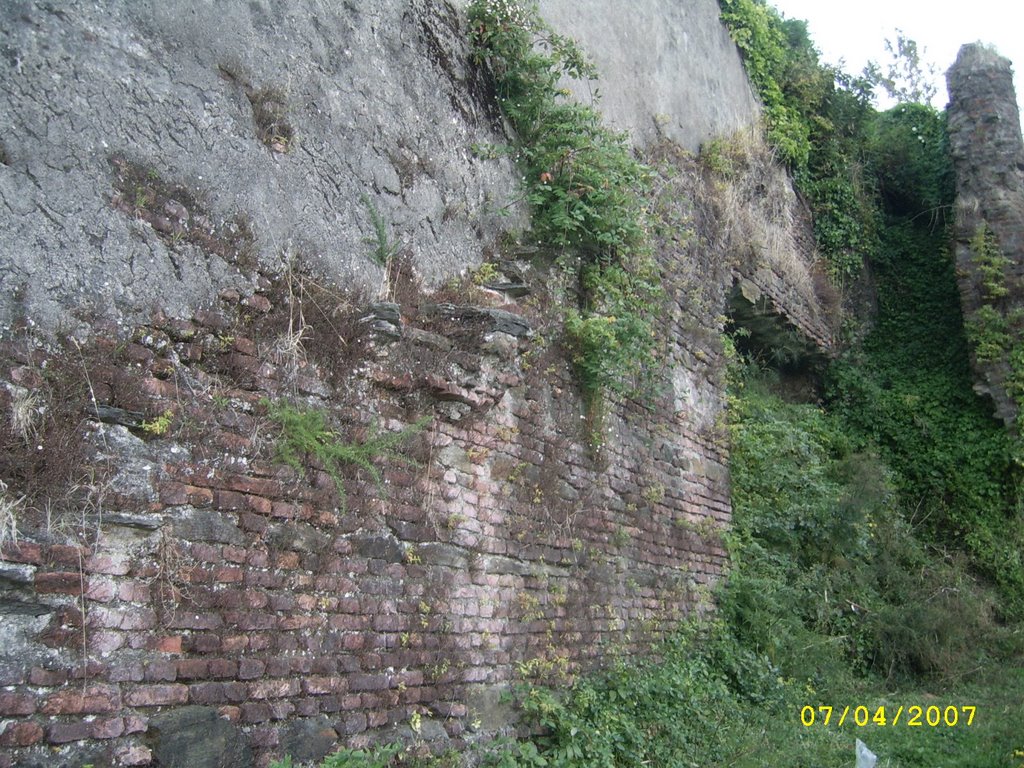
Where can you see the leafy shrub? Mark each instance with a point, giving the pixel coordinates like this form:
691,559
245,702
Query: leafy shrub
908,151
586,191
828,574
675,710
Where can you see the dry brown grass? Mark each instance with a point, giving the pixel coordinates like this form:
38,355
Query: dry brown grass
25,412
759,213
9,508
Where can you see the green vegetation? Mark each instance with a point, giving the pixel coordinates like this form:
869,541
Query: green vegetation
815,117
908,391
784,74
389,755
877,538
384,247
305,435
996,333
587,194
160,425
834,598
907,78
876,544
989,263
881,188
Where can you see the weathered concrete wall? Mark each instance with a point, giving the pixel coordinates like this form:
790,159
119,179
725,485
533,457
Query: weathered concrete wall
375,99
988,157
668,69
183,187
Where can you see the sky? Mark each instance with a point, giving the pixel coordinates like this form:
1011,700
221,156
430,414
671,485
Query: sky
856,31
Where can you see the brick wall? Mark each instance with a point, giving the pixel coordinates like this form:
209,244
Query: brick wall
175,582
198,570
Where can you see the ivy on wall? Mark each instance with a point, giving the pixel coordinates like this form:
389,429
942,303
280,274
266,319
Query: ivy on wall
814,116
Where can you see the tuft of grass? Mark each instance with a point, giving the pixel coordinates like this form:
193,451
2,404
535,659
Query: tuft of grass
8,517
25,413
306,435
270,112
384,247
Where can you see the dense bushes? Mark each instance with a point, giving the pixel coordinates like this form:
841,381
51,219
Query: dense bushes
881,187
824,548
832,596
908,392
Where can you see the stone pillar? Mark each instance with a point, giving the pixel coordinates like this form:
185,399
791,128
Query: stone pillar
988,158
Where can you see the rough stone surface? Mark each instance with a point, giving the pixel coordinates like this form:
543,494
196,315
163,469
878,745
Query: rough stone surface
383,107
988,157
382,102
309,740
196,737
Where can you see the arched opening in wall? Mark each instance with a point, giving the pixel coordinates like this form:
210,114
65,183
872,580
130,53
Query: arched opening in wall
767,338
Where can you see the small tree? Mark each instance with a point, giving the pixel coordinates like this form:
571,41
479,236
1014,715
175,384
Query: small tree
907,78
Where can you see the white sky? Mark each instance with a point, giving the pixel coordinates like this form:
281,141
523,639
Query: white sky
856,31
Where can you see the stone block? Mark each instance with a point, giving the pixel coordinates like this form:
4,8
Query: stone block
14,704
157,695
94,699
274,689
63,733
21,734
60,582
196,737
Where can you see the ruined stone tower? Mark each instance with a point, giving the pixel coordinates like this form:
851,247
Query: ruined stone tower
988,157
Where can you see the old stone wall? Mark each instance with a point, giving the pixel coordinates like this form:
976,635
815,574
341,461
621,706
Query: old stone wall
200,198
197,570
988,157
289,121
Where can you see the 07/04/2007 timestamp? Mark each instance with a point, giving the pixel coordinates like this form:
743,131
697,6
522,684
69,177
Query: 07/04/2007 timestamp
914,716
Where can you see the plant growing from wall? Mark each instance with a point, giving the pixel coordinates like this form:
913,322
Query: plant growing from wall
9,514
384,246
989,263
586,191
996,333
159,425
760,34
305,435
988,333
